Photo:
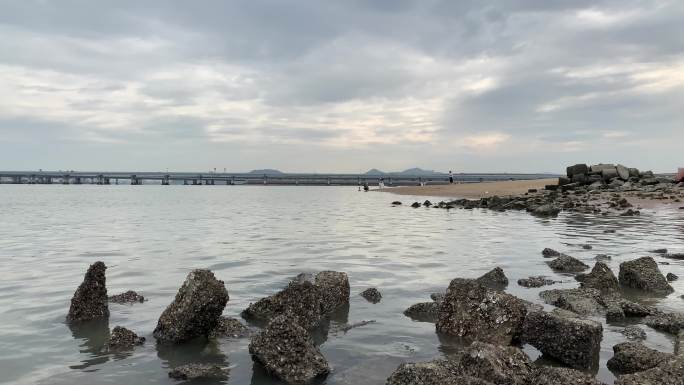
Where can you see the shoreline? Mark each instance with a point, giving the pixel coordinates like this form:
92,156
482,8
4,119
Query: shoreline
474,190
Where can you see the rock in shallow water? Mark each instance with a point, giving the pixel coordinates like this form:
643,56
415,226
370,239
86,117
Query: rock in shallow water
286,350
423,312
643,273
670,372
127,297
671,323
475,312
301,299
632,357
199,371
230,327
548,375
122,338
196,309
334,287
600,277
537,281
371,295
568,264
90,299
633,333
494,279
575,342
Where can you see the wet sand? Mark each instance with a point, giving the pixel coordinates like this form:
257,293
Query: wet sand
473,190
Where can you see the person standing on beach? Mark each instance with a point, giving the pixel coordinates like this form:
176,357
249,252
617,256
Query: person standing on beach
451,177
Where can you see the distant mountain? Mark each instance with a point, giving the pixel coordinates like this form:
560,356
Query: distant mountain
374,171
410,171
418,171
267,171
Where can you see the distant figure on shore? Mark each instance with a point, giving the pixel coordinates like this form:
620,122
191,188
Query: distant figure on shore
451,177
365,186
381,183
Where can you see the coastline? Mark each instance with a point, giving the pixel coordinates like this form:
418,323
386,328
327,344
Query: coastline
473,190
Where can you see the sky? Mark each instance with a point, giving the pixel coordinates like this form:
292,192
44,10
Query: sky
340,86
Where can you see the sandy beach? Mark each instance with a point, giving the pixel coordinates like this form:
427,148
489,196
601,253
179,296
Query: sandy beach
473,190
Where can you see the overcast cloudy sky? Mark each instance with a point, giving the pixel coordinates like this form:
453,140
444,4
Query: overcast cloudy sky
340,86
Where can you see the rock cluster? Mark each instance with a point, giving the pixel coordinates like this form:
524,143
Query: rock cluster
286,350
485,364
122,338
196,309
308,303
90,299
475,312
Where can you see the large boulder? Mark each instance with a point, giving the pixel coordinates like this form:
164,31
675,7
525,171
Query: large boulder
577,169
601,278
632,357
622,171
196,309
549,375
90,299
667,373
567,264
334,288
643,273
301,299
287,351
494,279
475,312
573,341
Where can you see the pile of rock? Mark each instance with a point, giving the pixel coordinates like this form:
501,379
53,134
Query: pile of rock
600,175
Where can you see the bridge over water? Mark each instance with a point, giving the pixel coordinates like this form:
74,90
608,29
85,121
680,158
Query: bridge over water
176,178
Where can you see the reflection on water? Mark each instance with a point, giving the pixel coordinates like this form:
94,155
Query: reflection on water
92,336
255,239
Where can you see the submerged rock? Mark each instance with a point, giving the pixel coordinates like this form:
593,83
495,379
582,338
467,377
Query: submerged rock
568,264
494,279
671,277
537,281
550,253
286,350
667,322
601,278
301,299
127,297
90,299
633,333
632,357
575,342
424,312
475,312
371,295
196,309
230,327
643,273
549,375
197,371
334,288
122,338
670,372
546,210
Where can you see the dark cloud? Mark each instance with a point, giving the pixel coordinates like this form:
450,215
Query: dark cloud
345,85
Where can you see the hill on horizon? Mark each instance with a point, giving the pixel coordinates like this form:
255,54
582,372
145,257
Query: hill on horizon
410,171
267,171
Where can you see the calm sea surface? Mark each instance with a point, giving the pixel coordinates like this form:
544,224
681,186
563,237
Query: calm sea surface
255,239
